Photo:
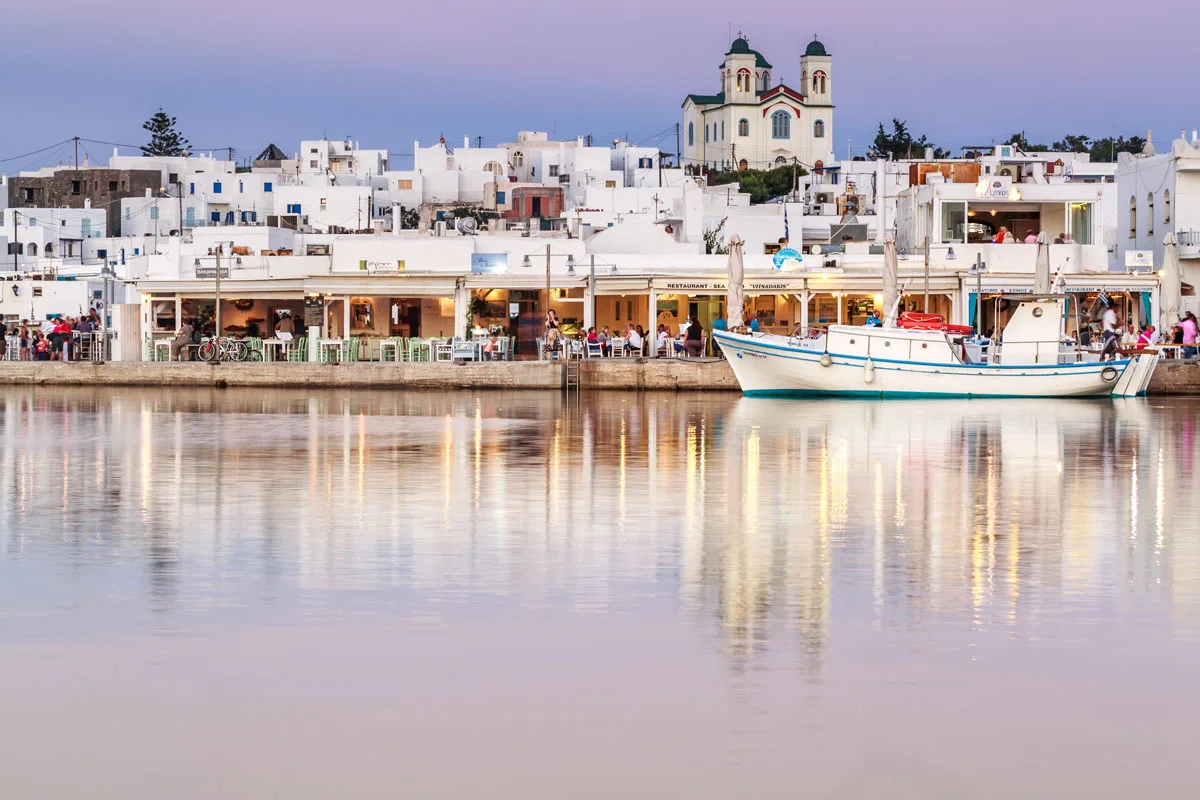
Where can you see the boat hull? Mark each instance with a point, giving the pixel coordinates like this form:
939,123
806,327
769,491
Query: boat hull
768,369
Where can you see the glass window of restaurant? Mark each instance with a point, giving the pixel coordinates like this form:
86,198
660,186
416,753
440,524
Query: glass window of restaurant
855,307
954,222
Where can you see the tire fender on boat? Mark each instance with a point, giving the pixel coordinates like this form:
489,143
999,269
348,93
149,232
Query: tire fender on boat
869,371
1109,374
826,360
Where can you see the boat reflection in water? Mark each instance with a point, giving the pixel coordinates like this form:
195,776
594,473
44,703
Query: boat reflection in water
701,595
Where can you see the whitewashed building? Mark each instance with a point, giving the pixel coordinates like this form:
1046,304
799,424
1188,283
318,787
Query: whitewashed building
1159,193
755,122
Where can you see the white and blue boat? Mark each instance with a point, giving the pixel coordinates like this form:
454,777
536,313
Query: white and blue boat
1030,360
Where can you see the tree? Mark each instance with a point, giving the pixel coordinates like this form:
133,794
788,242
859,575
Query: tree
761,185
164,139
714,241
1019,141
1106,149
901,144
1073,144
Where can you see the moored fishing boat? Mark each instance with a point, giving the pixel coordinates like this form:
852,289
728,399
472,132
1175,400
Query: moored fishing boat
1029,360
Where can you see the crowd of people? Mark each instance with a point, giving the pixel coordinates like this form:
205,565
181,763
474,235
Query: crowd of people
55,339
1005,236
636,339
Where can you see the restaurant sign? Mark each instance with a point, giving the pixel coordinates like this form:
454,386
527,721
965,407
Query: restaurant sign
697,286
369,265
489,263
996,187
783,256
210,273
314,312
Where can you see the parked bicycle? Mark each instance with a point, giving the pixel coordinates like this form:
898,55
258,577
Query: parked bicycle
227,349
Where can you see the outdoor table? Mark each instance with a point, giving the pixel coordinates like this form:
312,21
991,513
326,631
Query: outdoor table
273,346
333,344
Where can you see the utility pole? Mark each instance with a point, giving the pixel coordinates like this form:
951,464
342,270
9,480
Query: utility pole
794,178
217,337
678,150
659,173
231,156
478,142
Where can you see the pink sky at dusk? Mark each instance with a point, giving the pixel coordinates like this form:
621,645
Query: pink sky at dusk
245,74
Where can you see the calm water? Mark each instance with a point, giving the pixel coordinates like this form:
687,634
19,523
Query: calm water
417,595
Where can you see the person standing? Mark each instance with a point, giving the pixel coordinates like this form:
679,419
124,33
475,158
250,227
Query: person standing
694,339
3,339
1188,326
552,333
285,329
1111,325
1030,237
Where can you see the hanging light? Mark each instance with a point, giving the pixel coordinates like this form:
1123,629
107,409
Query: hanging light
196,263
950,256
571,265
526,263
613,270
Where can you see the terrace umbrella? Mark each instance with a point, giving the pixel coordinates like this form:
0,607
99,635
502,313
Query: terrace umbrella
737,274
1041,279
1171,289
891,281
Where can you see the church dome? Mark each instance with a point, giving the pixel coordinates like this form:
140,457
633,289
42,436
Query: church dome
815,48
739,45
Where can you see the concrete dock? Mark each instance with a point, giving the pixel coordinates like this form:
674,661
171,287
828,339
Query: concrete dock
668,374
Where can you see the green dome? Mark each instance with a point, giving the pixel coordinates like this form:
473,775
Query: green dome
815,48
740,45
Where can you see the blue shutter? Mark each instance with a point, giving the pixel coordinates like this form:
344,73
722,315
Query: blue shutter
216,187
267,186
500,199
191,188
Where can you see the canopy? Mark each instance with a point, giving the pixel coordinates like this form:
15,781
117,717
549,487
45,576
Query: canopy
1172,282
891,280
737,273
1041,279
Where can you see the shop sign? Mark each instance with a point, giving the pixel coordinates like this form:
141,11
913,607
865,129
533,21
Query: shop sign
996,187
769,287
1139,258
314,312
696,286
489,263
783,256
210,273
369,265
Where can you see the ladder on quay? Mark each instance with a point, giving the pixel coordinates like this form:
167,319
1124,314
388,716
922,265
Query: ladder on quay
571,375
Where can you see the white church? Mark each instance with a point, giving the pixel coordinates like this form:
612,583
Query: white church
754,124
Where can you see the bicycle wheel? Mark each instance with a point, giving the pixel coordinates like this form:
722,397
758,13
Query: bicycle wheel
238,350
207,351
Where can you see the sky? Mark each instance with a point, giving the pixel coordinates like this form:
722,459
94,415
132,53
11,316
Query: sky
242,74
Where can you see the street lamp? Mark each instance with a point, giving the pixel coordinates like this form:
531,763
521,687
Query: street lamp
977,269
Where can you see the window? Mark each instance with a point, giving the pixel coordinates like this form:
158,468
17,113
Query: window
254,216
819,129
781,125
75,187
691,134
191,188
31,249
743,127
743,80
323,204
1167,207
28,195
172,177
722,130
554,170
954,222
241,187
312,164
268,187
1150,214
293,208
33,222
518,160
245,216
818,82
1081,223
706,131
404,184
112,186
128,212
153,212
766,80
101,254
215,216
1133,218
645,163
500,197
313,151
216,187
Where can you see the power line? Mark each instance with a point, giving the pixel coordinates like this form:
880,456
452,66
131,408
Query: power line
35,152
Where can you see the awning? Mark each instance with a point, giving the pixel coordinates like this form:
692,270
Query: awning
375,285
292,289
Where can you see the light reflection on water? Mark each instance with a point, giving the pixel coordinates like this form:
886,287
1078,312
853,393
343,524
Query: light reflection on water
377,593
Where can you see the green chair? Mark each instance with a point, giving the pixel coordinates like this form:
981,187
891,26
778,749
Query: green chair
352,346
255,346
298,352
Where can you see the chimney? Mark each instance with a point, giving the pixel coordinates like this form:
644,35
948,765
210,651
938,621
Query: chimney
929,154
466,142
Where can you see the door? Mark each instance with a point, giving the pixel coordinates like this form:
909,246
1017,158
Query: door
526,326
537,207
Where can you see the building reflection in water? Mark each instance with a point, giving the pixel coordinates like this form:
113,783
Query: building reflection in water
768,523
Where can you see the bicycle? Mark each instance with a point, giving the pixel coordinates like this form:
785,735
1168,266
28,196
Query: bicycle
225,349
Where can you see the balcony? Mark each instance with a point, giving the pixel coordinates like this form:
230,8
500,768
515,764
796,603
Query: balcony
1189,244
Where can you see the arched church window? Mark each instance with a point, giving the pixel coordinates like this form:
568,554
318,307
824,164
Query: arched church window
743,80
818,82
781,125
819,128
743,127
691,134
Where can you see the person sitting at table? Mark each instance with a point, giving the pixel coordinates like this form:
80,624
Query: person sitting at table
660,342
183,338
694,339
285,328
604,337
633,341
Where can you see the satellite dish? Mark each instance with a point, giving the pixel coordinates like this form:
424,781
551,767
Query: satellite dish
815,249
466,226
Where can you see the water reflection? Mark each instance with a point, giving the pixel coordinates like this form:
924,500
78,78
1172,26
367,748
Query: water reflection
781,536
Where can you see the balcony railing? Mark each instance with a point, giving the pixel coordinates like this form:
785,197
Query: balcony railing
1189,244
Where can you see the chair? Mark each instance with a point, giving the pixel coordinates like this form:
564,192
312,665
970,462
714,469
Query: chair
617,345
255,345
298,352
392,345
594,350
353,345
466,350
443,351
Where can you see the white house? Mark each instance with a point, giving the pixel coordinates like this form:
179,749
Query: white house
1157,194
752,122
